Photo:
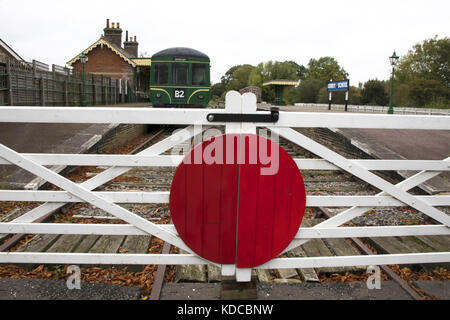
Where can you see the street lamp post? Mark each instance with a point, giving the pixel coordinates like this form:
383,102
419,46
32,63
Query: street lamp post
84,59
394,61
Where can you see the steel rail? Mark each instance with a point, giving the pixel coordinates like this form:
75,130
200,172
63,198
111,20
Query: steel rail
161,271
391,274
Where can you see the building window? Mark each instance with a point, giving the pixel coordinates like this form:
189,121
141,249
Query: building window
161,73
198,74
180,73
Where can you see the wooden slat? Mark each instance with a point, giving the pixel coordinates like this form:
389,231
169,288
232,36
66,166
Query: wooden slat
342,248
39,243
214,274
418,246
190,273
393,245
66,243
86,244
287,273
135,244
388,245
317,248
107,244
263,275
308,274
439,243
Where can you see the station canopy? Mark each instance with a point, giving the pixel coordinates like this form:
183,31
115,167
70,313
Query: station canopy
279,86
280,83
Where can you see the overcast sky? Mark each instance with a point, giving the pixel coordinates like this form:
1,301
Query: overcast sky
361,35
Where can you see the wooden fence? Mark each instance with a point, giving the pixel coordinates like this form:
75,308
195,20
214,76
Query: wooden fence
376,109
36,84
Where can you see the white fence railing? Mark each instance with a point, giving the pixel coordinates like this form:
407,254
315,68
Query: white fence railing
390,195
376,109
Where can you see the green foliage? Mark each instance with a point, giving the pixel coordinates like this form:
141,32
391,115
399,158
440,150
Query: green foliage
374,93
422,92
306,92
218,89
275,70
423,75
315,77
324,69
355,96
290,95
241,76
312,88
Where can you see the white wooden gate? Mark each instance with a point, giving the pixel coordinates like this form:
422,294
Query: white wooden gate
391,195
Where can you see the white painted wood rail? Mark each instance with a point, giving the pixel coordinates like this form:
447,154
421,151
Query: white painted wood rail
390,195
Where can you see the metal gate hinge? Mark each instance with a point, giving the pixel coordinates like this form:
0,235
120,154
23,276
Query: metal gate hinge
245,117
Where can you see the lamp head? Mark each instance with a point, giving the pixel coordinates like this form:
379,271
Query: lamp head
394,60
84,58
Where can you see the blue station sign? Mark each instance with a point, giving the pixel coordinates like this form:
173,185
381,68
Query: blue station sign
343,85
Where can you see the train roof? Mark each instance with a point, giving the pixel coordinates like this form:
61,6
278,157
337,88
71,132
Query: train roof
180,52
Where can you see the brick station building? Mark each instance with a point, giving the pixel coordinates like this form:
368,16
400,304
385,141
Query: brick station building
108,57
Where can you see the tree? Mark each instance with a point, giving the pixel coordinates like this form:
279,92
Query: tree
306,92
324,69
240,77
218,89
374,93
430,60
276,70
423,92
424,74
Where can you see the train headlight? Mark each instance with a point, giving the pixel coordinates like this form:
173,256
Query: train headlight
200,97
158,95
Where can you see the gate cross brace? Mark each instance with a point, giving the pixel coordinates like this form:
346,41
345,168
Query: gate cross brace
398,191
109,174
354,212
364,174
91,198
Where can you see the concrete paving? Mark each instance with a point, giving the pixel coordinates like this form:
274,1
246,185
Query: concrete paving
48,138
35,289
290,291
45,138
405,144
438,289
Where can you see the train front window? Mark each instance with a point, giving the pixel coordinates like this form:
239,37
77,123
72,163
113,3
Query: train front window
198,74
161,73
180,73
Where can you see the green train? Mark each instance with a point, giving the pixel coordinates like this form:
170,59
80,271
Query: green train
180,77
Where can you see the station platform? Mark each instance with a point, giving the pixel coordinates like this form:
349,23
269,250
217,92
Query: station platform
58,138
35,289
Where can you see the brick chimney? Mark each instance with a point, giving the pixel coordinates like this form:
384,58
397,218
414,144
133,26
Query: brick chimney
131,46
113,34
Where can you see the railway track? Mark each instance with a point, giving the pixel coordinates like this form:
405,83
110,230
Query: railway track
316,183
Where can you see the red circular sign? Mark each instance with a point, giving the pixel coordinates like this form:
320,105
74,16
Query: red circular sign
237,199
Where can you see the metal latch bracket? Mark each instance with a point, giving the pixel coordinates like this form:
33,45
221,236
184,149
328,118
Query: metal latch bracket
273,117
